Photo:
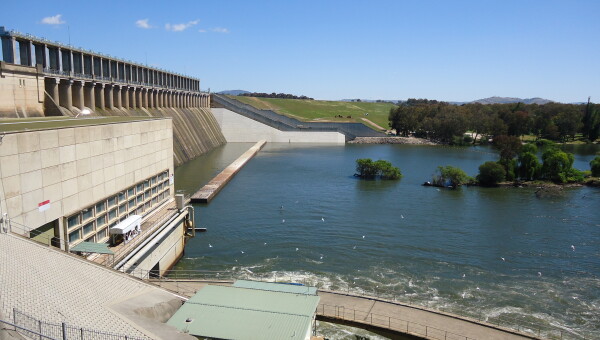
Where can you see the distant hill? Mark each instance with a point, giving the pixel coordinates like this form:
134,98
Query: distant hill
508,100
233,92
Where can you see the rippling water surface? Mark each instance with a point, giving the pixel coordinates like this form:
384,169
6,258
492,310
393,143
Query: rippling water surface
499,254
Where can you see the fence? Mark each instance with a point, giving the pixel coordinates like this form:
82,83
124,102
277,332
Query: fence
37,329
387,322
284,123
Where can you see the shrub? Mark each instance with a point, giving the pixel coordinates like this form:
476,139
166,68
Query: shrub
595,164
558,166
491,173
383,169
529,166
449,176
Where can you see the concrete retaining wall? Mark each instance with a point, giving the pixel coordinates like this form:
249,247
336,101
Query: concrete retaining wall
21,91
239,129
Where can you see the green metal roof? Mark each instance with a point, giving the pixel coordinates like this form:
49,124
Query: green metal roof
241,313
276,287
91,247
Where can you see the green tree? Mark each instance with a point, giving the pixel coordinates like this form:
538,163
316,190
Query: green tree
529,166
558,166
591,121
595,164
366,168
491,173
450,176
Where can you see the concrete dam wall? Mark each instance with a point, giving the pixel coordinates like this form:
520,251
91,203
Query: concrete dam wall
195,129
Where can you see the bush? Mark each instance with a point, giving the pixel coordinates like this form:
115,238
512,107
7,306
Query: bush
558,166
449,176
529,166
383,169
491,173
595,164
544,142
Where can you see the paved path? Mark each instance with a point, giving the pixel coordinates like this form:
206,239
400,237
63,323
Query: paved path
365,312
55,286
207,192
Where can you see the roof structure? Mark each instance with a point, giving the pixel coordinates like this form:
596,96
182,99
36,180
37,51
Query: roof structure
243,313
92,247
276,287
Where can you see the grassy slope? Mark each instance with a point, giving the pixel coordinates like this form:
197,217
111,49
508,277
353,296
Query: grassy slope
21,124
321,110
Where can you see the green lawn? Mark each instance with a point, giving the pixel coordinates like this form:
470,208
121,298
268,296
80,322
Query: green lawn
322,110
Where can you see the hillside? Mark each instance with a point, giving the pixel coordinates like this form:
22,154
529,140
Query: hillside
324,111
233,92
508,100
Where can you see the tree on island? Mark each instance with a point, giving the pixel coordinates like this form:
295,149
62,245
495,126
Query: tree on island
491,173
558,166
595,164
450,176
367,169
529,165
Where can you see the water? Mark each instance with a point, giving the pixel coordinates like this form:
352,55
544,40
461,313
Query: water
438,248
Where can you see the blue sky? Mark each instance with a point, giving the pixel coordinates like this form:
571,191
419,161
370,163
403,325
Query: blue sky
445,50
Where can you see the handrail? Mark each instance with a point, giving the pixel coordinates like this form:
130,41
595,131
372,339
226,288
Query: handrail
27,330
374,319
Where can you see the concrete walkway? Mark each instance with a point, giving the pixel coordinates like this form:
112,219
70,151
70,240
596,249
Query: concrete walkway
374,314
54,286
210,190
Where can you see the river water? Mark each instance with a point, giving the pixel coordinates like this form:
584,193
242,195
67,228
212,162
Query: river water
499,254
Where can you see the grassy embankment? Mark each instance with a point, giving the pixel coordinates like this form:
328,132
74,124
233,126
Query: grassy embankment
324,111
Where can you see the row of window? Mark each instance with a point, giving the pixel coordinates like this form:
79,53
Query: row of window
92,223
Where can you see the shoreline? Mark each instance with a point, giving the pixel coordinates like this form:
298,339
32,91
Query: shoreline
392,140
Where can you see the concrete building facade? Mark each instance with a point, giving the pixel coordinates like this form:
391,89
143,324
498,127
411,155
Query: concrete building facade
76,182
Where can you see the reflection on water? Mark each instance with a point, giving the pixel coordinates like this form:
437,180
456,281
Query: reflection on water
497,254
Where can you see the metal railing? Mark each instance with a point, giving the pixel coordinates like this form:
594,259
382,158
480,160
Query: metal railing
387,322
38,329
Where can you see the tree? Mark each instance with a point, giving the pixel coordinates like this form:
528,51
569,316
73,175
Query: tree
595,164
368,169
591,121
558,166
449,176
509,146
491,173
529,166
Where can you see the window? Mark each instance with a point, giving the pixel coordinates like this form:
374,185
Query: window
112,201
155,200
147,184
154,180
103,233
131,204
74,236
112,214
91,239
154,190
140,187
73,221
131,192
147,206
140,199
86,214
100,221
122,196
88,228
147,194
122,208
101,207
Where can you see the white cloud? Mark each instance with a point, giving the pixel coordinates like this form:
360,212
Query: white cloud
181,27
202,30
55,20
143,23
220,30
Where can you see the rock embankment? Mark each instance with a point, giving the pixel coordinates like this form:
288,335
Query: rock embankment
391,140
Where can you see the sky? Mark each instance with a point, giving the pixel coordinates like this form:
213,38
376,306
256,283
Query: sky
444,50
